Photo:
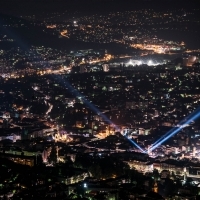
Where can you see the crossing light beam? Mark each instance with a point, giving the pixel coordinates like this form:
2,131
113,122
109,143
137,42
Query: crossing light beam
197,115
93,108
173,129
136,145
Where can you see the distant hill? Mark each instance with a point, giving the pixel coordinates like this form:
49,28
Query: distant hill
26,33
23,7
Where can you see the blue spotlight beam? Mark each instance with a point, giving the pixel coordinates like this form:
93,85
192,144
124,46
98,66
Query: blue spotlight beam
136,145
93,108
174,132
13,35
73,90
85,101
173,129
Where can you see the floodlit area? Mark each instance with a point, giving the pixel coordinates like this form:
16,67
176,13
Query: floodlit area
132,62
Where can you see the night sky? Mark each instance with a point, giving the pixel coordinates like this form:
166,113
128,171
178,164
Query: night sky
37,6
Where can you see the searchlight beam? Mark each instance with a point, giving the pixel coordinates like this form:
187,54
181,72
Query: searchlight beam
173,129
174,132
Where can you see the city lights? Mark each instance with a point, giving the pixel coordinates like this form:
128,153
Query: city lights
85,185
94,101
84,100
134,62
173,129
173,132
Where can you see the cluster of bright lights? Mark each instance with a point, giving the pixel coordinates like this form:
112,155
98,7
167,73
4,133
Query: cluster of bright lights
191,118
140,62
59,137
156,144
134,62
77,93
150,62
93,108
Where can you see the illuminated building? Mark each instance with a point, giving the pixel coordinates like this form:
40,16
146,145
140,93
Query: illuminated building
140,166
6,115
62,137
133,62
79,124
194,152
23,158
51,26
169,167
74,179
105,67
11,136
185,174
105,133
45,156
39,132
189,60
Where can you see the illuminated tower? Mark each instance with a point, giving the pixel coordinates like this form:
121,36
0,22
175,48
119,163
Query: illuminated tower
176,150
185,174
194,151
105,68
45,156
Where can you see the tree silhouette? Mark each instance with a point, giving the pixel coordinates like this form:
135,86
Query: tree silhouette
53,155
156,174
96,171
